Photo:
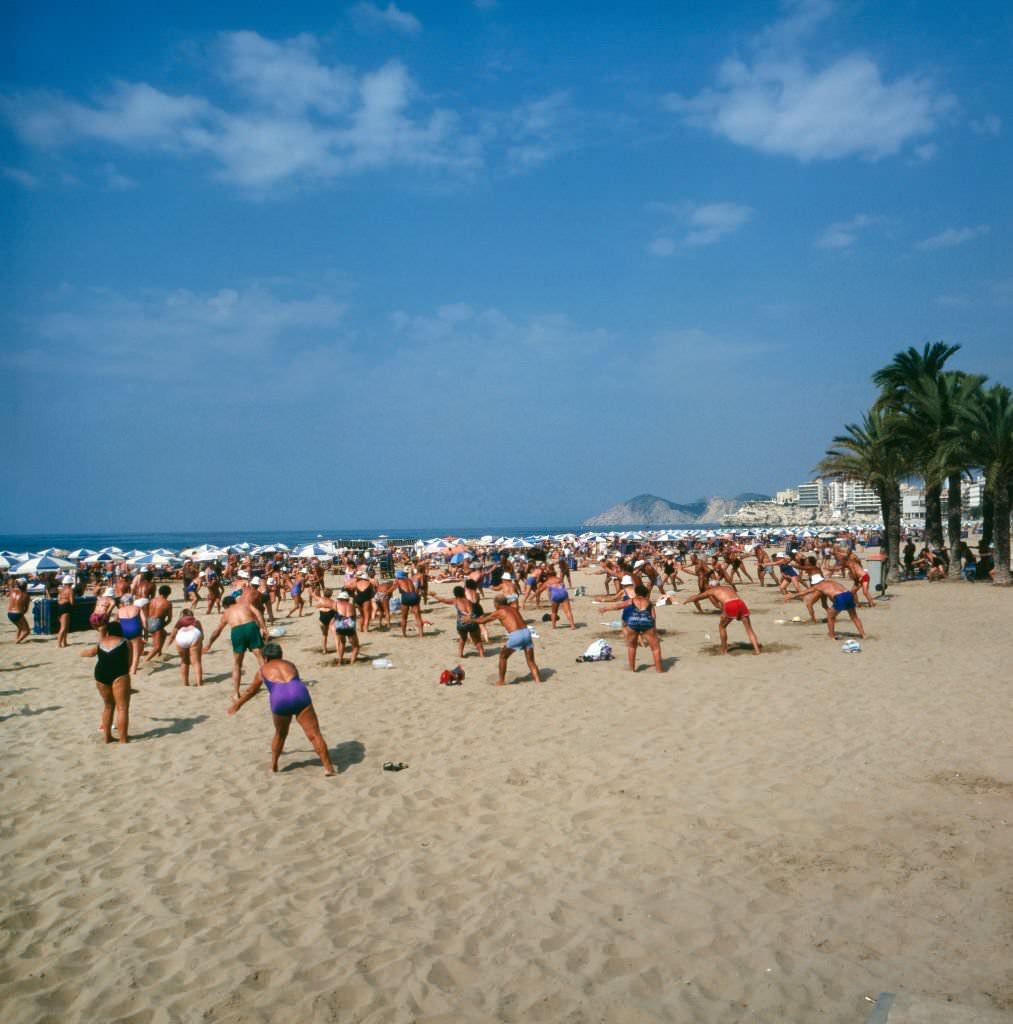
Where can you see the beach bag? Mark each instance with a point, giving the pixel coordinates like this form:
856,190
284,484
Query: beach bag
598,650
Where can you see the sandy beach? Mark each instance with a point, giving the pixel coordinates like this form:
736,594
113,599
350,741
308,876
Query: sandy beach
769,839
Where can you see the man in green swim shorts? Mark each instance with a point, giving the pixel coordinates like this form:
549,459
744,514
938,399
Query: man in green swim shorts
248,633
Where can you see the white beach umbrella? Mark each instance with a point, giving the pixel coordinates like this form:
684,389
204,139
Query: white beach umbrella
164,552
153,559
78,553
4,564
43,563
316,550
210,555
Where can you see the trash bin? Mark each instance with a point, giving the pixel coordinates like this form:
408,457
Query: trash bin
44,616
47,622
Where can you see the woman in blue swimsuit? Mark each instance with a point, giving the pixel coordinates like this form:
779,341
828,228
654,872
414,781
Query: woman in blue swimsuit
289,699
639,626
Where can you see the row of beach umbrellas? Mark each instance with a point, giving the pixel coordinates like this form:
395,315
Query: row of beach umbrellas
454,549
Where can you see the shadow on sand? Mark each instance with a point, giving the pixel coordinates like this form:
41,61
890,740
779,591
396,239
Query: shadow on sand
343,756
177,725
27,712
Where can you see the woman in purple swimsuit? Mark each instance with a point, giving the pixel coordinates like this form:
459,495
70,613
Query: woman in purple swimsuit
289,698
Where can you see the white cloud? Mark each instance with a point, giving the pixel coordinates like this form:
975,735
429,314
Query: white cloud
661,247
705,223
951,237
100,333
777,103
24,178
929,151
990,124
844,234
370,17
535,131
291,117
287,76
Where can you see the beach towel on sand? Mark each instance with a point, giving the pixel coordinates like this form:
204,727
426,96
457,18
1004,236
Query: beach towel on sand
599,650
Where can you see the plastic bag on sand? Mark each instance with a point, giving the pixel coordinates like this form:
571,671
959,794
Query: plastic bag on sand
851,647
598,650
382,663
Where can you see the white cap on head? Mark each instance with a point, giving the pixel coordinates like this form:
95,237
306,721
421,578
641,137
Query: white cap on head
243,574
507,576
68,579
637,565
342,595
255,581
626,581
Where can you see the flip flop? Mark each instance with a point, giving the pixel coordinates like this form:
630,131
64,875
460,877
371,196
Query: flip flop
394,766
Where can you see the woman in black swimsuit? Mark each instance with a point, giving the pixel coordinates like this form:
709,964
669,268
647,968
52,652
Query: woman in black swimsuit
363,595
64,607
325,606
112,678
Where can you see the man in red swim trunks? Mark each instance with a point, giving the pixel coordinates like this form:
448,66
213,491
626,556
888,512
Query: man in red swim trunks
854,568
727,600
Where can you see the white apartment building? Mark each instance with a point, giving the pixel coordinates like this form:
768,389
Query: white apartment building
789,496
972,493
811,494
912,502
852,496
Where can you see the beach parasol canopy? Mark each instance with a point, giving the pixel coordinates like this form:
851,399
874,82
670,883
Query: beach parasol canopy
112,550
4,564
153,559
43,563
101,556
78,553
165,552
315,551
210,555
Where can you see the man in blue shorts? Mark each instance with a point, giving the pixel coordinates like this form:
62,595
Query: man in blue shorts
836,597
518,637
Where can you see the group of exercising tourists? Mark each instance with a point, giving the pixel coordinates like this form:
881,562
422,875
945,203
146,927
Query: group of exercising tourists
135,623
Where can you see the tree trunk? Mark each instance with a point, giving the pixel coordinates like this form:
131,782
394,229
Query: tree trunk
987,516
934,515
953,524
890,504
1002,528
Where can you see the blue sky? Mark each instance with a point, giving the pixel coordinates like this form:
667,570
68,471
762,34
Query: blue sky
479,262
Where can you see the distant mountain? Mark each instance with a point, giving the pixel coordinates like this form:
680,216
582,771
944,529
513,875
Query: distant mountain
650,510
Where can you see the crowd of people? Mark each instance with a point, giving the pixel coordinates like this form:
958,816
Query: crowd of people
136,622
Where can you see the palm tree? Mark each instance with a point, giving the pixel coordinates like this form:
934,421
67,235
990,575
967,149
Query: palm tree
989,424
872,453
937,407
905,374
